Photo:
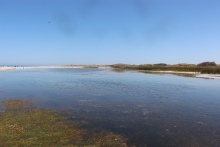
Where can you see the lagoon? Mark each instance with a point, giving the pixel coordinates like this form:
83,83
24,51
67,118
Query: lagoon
146,109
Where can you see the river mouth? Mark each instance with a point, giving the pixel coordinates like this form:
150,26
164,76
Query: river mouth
146,109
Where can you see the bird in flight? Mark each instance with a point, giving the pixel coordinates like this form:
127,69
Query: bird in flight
49,22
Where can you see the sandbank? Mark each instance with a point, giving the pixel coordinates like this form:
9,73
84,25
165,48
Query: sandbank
208,76
55,66
195,74
6,68
172,72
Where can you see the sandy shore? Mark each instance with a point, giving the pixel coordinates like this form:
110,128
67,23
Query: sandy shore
26,67
195,74
64,66
172,72
208,76
6,68
56,66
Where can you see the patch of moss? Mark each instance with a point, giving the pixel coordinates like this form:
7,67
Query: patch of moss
46,128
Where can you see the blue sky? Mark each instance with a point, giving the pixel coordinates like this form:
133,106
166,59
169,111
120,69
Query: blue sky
109,31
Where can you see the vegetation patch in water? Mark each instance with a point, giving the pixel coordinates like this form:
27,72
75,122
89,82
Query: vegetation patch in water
90,66
21,125
179,68
13,104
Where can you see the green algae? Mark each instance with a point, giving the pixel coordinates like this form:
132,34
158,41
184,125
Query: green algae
21,125
17,104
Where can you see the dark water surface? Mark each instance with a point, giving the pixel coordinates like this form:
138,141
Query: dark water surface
149,110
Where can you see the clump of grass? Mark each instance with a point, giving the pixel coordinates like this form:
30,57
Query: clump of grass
46,128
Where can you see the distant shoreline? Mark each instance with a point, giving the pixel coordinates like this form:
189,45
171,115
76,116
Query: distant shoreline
55,66
197,74
6,68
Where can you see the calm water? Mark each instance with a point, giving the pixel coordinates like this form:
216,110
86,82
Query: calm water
150,110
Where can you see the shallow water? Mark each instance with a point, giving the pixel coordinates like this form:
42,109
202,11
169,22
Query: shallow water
146,109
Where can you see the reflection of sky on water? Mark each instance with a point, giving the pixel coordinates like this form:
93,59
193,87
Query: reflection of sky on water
143,107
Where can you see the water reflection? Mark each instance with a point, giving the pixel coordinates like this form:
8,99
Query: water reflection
146,109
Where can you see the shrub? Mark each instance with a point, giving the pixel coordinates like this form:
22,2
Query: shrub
207,64
160,64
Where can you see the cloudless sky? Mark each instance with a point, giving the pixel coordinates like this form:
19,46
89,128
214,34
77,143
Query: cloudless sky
58,32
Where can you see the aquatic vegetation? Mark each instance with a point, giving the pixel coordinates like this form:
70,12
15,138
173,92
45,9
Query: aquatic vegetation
146,109
90,66
201,69
21,125
13,104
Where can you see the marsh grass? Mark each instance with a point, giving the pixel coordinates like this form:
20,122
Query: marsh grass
206,69
21,125
90,67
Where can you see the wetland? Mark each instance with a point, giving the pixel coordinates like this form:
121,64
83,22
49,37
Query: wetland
105,107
